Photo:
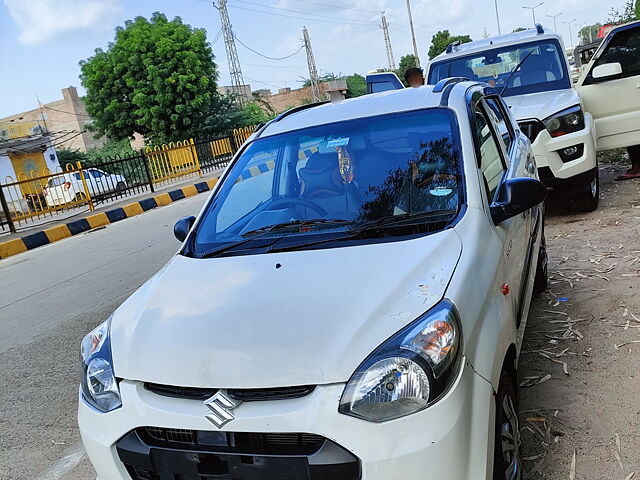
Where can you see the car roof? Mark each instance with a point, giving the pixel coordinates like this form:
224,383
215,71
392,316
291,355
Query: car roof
526,36
392,101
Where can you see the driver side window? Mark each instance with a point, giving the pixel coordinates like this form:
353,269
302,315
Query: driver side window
625,50
491,161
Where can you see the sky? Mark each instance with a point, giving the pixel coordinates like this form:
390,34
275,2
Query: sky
42,41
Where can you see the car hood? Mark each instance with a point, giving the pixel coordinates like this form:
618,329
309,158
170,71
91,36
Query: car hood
279,319
543,104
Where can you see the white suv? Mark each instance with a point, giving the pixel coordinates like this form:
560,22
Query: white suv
542,99
348,305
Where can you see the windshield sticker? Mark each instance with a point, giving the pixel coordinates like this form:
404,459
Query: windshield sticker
440,191
338,142
345,163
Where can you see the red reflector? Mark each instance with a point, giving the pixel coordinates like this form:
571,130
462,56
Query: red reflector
505,289
67,185
559,133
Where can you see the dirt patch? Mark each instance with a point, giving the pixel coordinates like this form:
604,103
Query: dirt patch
584,332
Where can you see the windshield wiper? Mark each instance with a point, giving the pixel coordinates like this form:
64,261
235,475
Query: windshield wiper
513,72
408,218
263,231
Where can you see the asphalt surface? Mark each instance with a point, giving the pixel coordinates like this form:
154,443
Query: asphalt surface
49,299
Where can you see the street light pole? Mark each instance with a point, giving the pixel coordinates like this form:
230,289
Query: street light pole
533,10
570,32
555,26
413,36
498,18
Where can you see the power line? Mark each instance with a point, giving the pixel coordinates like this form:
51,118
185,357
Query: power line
338,7
313,20
331,17
265,56
68,113
218,35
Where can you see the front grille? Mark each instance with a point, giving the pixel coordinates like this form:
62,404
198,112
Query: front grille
241,442
153,453
531,129
245,395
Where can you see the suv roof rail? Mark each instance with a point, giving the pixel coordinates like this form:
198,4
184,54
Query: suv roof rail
539,29
452,45
442,84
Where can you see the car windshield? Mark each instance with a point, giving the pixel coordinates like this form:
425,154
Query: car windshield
338,178
543,70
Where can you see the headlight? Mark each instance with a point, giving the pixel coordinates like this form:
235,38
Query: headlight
99,384
410,371
568,121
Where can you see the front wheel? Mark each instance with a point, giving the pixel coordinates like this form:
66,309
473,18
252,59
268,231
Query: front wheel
507,463
586,199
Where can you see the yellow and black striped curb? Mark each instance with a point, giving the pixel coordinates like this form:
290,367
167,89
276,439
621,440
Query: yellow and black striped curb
53,234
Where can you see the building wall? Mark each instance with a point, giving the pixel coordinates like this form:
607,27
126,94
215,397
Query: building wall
64,118
283,101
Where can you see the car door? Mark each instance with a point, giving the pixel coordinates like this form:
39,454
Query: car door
499,161
610,88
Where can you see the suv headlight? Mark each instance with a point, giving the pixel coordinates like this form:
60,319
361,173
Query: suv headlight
99,384
564,122
410,371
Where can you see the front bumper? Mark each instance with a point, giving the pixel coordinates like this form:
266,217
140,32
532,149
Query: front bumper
546,150
451,439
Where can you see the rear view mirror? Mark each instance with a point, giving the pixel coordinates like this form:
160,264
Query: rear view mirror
182,227
607,71
516,196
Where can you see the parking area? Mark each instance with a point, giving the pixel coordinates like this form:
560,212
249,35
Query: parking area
581,353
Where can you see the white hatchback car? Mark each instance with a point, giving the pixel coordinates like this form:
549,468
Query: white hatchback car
531,72
348,305
68,187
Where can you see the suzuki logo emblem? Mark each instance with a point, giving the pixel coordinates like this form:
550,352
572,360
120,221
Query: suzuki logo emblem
221,407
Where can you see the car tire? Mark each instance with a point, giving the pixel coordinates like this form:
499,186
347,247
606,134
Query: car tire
542,274
507,462
80,196
586,199
120,186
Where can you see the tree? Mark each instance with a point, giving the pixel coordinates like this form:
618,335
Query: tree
222,117
629,12
406,62
441,41
356,86
589,33
157,78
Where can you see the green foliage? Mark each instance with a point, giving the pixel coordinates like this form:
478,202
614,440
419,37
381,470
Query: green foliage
589,33
327,77
157,78
356,86
630,12
66,156
254,114
441,41
406,62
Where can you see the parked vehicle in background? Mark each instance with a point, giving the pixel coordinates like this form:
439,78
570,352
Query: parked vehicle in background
69,187
349,305
541,97
382,81
610,88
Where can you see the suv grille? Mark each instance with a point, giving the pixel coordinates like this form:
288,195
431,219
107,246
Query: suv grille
245,395
532,129
154,453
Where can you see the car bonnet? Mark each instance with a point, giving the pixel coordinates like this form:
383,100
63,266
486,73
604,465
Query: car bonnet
280,319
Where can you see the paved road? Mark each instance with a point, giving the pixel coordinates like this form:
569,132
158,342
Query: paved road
49,298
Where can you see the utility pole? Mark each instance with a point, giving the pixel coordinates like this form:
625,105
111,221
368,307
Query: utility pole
413,36
533,10
313,72
387,41
555,26
237,82
498,18
570,32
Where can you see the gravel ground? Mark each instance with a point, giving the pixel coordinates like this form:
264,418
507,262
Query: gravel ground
582,423
591,308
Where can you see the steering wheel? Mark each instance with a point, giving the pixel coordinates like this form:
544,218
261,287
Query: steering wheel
283,202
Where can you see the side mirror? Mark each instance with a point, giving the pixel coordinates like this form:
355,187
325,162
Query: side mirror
182,227
607,71
516,196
